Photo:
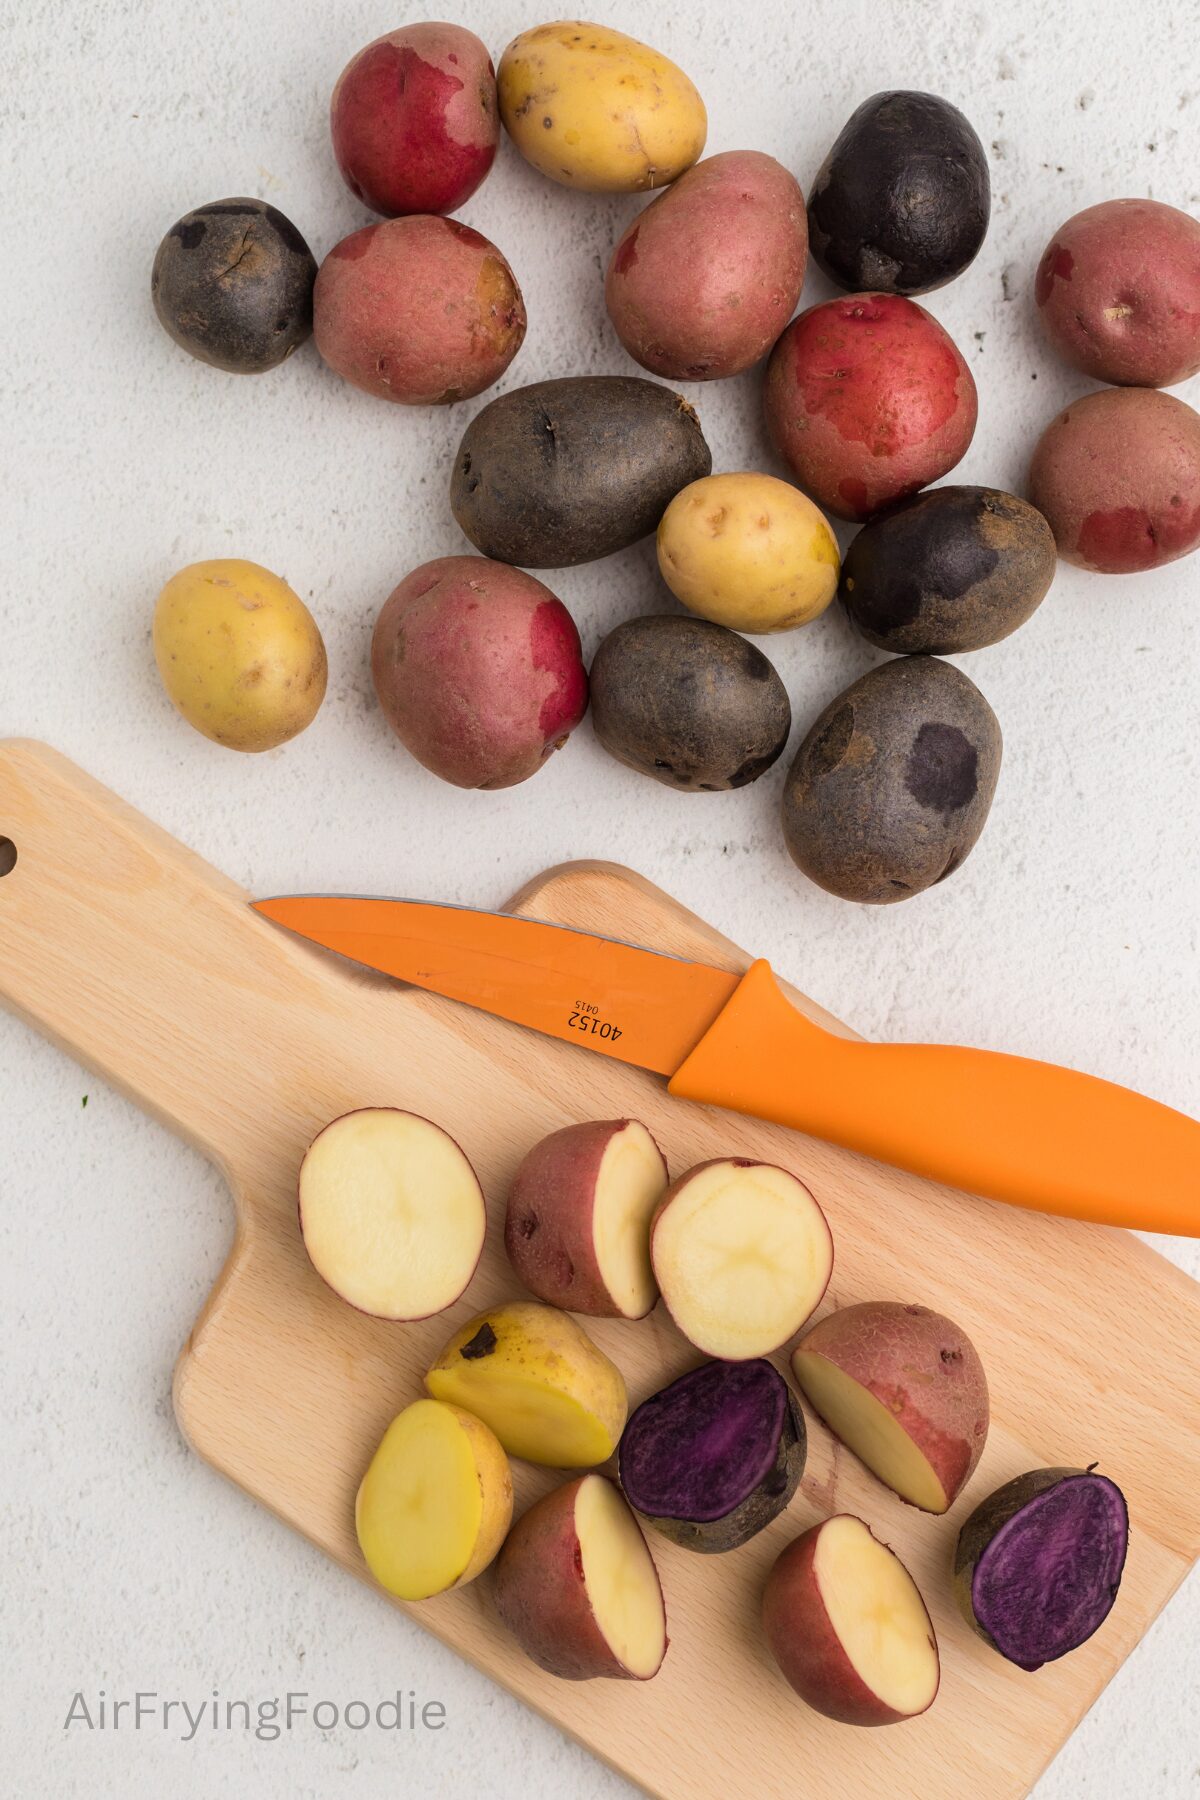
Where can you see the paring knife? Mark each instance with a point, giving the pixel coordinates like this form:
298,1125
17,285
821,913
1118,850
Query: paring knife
1025,1132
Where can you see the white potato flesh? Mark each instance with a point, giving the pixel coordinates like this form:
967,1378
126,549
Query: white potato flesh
743,1255
631,1181
619,1576
391,1213
878,1615
865,1426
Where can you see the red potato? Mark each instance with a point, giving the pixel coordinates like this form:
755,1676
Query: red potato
478,669
904,1389
868,399
1117,475
848,1627
1118,293
742,1254
391,1213
414,120
576,1585
706,278
577,1228
422,311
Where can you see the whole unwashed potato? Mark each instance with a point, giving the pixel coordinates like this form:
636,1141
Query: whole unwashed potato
1117,474
868,399
748,551
420,310
478,670
706,278
1118,293
597,110
239,654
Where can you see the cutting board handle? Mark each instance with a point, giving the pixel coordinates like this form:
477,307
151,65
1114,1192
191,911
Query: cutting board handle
148,965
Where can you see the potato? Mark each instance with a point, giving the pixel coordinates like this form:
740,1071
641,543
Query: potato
391,1213
596,110
901,203
712,1458
706,278
688,703
239,654
749,552
848,1627
534,1376
742,1254
232,284
577,1587
577,1225
1038,1563
563,472
868,399
478,670
1117,474
904,1389
951,569
414,120
1118,293
422,311
434,1506
891,787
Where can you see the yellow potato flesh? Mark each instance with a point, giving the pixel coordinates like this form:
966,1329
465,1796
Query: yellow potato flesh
622,1583
538,1381
629,1185
594,109
742,1254
748,552
436,1502
866,1426
391,1213
239,654
877,1614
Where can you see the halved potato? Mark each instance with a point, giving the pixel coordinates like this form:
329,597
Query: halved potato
436,1502
391,1213
742,1254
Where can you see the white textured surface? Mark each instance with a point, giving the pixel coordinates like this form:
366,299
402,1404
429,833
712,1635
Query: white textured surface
1071,932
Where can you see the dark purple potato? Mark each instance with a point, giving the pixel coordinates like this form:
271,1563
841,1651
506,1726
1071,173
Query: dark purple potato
949,570
1039,1563
233,284
901,203
891,787
714,1457
688,703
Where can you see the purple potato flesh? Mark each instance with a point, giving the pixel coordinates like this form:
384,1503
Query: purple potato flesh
714,1457
1039,1563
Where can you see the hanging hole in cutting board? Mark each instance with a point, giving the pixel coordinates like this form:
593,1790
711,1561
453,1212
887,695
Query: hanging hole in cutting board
8,856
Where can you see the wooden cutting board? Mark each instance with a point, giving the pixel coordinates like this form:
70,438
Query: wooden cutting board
147,965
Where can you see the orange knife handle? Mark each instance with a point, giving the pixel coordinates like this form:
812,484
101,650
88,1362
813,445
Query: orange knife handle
1025,1132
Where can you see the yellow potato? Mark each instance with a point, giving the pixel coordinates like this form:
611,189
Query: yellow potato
749,552
239,654
436,1502
535,1377
597,110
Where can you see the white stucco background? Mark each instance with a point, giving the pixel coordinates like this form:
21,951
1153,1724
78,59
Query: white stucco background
1071,933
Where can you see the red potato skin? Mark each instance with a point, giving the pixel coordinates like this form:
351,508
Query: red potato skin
806,1646
924,1369
706,278
1117,475
421,310
541,1596
478,670
548,1222
1118,293
414,120
867,399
